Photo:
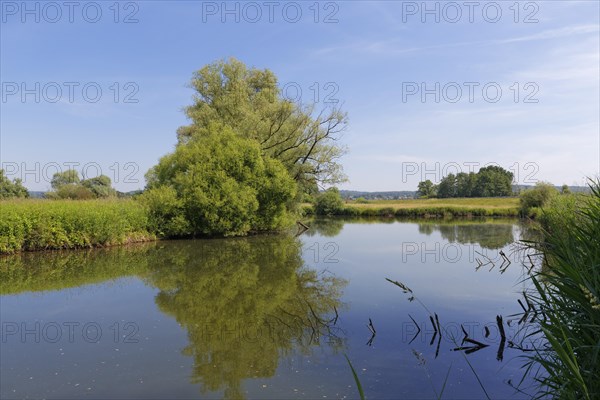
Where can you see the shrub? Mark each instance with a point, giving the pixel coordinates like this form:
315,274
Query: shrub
538,196
220,184
71,191
166,214
329,202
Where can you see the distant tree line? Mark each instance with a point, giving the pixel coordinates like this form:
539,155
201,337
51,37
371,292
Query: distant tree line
492,181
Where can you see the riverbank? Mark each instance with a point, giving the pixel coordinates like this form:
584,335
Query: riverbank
426,208
33,225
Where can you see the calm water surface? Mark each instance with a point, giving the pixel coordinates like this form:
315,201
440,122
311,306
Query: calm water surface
268,316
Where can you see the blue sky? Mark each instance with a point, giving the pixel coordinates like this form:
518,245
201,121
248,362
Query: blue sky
376,58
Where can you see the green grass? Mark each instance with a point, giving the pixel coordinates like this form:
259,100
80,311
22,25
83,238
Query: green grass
463,207
67,224
567,294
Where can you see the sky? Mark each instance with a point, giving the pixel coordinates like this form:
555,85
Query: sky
430,88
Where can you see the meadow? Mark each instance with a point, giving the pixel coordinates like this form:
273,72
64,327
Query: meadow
457,207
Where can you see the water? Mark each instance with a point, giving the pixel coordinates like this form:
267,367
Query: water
267,317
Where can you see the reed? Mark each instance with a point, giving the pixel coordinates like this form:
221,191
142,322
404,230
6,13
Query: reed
567,295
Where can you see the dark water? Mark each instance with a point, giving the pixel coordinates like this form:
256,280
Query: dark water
267,317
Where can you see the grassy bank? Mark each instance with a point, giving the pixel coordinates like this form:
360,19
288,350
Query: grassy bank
66,224
463,207
567,298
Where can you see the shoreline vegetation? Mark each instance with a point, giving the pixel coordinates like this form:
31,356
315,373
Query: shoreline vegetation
38,225
566,298
35,225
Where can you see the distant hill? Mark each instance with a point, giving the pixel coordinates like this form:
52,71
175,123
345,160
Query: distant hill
36,195
574,189
355,194
129,194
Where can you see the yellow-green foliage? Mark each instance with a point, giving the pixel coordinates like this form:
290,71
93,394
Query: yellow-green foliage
65,224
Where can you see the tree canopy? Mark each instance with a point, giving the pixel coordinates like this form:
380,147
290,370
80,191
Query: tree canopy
67,177
248,100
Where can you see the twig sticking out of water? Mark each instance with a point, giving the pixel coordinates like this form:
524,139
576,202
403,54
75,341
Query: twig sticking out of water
521,304
527,310
513,345
373,332
529,305
500,354
303,228
371,327
469,349
504,259
439,328
466,334
479,266
464,330
418,329
532,264
475,342
500,326
437,348
433,323
489,261
437,321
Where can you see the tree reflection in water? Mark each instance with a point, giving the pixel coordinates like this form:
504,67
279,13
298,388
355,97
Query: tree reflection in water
245,303
488,235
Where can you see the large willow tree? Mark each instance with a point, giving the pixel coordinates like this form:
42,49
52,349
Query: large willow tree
249,101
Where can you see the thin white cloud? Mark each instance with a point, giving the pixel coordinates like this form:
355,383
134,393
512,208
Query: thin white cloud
554,33
395,46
